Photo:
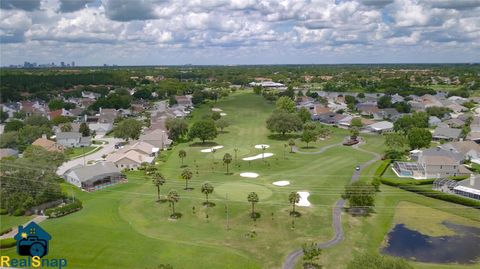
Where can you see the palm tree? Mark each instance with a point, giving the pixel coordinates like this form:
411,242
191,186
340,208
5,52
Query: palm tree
150,169
173,197
227,159
253,198
294,198
182,154
186,175
291,143
236,150
207,189
284,150
213,155
263,151
158,180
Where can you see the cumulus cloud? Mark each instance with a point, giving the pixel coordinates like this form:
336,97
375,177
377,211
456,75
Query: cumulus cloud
73,5
191,27
27,5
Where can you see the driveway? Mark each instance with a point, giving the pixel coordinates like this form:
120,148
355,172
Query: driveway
105,150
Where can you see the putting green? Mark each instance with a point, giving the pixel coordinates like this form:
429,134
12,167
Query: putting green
238,191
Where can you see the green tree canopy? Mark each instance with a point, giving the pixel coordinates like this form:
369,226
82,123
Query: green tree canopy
177,128
128,129
377,261
304,114
203,130
419,138
286,104
284,122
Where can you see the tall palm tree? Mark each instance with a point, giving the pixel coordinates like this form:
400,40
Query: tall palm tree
227,159
207,189
291,143
253,198
150,169
186,175
182,154
294,198
158,180
173,197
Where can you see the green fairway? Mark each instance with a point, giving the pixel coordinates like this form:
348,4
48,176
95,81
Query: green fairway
76,152
125,227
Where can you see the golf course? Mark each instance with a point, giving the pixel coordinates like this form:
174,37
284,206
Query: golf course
124,226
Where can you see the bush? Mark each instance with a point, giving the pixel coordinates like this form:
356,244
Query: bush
19,212
406,182
3,211
7,243
5,231
443,196
64,210
381,169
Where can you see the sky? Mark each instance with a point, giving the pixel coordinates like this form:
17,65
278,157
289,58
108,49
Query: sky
230,32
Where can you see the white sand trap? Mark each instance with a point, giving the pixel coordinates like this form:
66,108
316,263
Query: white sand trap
216,109
259,146
303,199
259,156
249,174
223,114
281,183
211,149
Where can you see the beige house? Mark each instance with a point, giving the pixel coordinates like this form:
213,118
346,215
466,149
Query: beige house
133,155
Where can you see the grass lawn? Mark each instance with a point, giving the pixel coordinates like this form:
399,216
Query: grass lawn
12,221
124,226
76,152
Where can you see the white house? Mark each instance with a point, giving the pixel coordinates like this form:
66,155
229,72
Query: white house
72,140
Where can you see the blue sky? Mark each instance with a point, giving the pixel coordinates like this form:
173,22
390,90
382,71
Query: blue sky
156,32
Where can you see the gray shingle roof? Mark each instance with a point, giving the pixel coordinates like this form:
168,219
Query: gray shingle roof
442,132
68,135
96,171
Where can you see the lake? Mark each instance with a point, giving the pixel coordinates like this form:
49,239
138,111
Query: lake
463,248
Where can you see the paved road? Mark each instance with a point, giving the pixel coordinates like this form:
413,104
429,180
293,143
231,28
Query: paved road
106,149
14,231
338,236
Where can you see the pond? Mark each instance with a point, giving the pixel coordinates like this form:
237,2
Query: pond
462,248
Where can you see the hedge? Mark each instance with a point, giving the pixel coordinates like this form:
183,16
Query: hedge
381,169
4,231
405,182
442,196
7,243
64,210
3,211
458,178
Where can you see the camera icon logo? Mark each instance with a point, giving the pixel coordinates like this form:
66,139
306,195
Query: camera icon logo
32,240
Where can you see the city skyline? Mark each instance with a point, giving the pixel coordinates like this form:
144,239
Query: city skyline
98,32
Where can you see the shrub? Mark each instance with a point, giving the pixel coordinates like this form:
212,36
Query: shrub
381,169
64,210
443,196
3,211
19,212
7,243
5,231
406,182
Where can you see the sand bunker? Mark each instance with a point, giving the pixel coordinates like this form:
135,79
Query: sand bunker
259,156
211,149
249,174
223,114
216,109
303,198
281,183
259,146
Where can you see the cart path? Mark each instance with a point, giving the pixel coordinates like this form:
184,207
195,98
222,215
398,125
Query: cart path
321,150
14,230
338,236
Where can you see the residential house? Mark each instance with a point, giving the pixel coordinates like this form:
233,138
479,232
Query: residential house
380,127
331,118
47,144
107,115
450,134
131,159
469,187
8,152
468,149
157,137
367,109
430,166
455,123
72,140
433,121
396,98
184,100
94,177
91,95
57,113
319,110
386,114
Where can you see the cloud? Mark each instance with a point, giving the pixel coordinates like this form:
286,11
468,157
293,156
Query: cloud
254,27
128,10
73,5
27,5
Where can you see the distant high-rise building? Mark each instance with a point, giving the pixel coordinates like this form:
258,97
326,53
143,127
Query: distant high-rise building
62,64
73,63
